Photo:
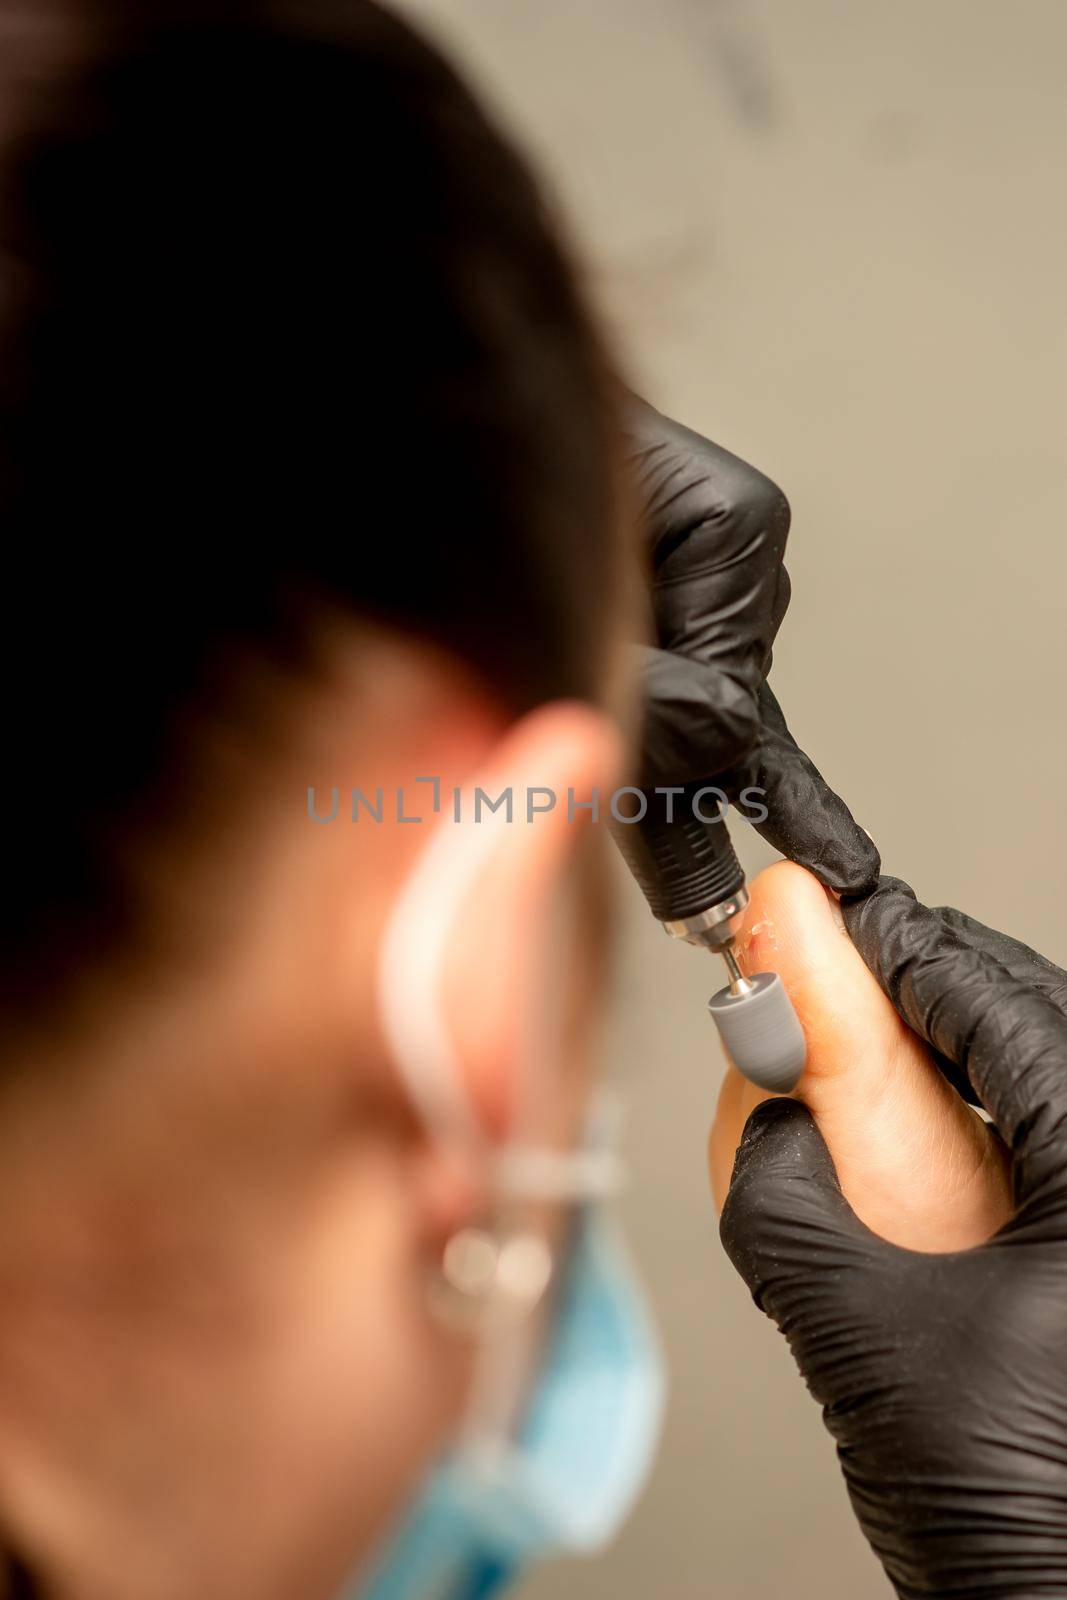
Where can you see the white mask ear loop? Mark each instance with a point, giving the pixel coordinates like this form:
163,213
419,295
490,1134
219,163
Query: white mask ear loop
410,972
492,1280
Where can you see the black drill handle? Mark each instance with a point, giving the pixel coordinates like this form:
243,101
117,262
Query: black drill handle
679,850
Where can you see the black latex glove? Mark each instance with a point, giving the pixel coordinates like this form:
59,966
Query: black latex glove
943,1378
717,531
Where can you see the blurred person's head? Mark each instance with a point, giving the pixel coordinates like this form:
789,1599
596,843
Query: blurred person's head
307,480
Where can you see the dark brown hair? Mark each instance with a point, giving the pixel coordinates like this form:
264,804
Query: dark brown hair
283,322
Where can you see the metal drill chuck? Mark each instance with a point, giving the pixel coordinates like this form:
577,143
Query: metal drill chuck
714,927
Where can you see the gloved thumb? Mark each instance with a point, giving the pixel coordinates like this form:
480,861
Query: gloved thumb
806,820
786,1226
699,720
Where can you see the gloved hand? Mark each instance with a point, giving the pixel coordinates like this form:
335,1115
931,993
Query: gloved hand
943,1378
717,531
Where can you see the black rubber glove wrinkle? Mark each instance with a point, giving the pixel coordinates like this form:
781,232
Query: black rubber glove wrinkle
943,1378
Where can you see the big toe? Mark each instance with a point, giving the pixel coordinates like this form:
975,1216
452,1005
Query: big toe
793,926
916,1163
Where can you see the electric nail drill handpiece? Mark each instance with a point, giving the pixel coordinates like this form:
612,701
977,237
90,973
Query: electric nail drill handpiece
681,854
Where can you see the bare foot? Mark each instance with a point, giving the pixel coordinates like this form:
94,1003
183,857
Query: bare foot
917,1164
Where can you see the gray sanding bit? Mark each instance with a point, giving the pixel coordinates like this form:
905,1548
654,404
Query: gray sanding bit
681,855
758,1026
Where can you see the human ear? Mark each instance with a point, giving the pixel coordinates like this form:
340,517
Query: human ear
514,946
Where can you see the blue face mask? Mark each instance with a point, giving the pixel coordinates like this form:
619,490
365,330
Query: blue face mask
560,1470
578,1460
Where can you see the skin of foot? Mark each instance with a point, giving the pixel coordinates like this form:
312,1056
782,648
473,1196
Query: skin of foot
917,1164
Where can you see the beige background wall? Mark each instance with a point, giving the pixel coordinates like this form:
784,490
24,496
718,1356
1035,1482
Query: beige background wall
830,233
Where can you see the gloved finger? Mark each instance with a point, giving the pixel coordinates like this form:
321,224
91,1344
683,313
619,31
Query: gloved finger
956,1077
804,1254
1007,1036
697,720
1025,964
806,820
717,533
